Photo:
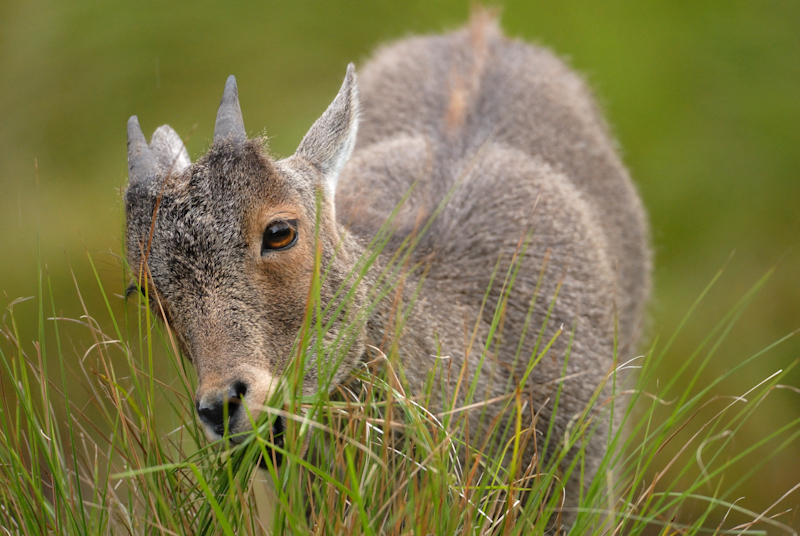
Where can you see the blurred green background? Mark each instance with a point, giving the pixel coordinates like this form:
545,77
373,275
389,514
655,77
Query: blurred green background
704,98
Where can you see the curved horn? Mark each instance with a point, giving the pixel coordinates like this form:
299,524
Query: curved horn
142,164
230,125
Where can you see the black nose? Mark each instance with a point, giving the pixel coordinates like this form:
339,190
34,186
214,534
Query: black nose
213,407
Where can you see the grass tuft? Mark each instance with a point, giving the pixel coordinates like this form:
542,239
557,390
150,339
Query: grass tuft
100,442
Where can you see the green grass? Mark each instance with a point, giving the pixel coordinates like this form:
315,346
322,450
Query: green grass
98,443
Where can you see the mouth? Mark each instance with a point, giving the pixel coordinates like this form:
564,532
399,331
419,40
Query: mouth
276,437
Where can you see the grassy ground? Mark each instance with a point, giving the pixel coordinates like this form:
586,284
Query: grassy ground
99,443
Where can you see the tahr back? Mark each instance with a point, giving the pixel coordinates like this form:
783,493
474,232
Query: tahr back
434,106
512,142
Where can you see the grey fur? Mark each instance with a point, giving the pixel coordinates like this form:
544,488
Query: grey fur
505,126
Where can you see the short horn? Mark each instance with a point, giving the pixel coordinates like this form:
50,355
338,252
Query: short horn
230,125
142,164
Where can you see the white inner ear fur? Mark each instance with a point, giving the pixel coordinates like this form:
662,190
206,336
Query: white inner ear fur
329,142
341,158
169,150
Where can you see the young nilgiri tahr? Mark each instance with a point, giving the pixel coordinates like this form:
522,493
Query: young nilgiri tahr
502,135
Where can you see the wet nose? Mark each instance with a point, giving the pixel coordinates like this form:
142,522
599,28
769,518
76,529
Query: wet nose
212,408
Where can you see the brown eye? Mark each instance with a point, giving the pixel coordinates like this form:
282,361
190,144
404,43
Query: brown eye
278,235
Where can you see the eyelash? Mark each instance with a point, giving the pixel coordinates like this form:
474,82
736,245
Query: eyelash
134,288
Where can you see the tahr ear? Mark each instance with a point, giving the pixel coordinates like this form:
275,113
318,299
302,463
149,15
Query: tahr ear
330,141
148,164
169,150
